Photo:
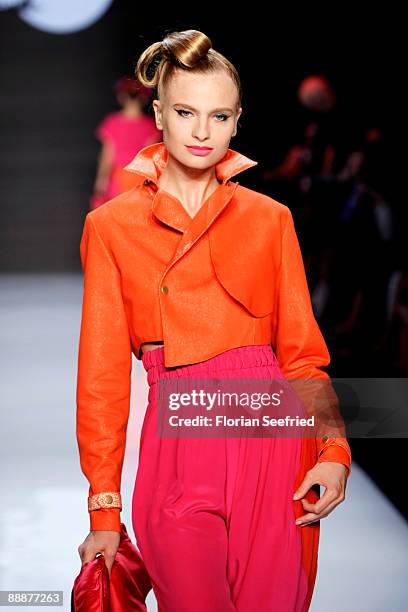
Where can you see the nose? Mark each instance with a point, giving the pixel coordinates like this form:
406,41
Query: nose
201,130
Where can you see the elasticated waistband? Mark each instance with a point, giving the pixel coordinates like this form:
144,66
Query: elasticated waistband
235,358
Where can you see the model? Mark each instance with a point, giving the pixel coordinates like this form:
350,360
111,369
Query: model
122,134
212,272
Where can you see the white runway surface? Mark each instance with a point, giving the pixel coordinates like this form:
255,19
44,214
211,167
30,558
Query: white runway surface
363,557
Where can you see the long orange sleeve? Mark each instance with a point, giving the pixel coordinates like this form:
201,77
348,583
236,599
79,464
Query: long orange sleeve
301,349
104,375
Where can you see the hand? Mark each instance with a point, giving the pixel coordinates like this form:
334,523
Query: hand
333,476
105,542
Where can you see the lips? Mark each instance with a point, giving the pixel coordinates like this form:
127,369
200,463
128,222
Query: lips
200,151
200,148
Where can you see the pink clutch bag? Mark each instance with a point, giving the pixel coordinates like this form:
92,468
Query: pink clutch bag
126,589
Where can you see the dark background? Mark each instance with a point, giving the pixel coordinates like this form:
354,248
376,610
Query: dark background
56,88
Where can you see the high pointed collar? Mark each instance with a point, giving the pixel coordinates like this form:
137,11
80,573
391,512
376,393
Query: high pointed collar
151,161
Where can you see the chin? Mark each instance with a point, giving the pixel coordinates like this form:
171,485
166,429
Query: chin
195,161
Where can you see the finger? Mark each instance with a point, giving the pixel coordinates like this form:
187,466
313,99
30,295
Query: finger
89,555
311,517
329,496
109,562
87,558
301,491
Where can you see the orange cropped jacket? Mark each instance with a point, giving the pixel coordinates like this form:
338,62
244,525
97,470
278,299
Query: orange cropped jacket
232,275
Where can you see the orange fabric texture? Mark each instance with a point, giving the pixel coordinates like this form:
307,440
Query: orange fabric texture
124,179
232,275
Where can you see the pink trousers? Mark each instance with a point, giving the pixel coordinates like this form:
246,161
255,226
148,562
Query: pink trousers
214,518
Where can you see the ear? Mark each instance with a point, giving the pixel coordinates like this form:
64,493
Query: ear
158,114
236,122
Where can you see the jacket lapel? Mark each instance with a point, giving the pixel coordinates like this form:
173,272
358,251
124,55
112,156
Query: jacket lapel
169,210
150,162
204,218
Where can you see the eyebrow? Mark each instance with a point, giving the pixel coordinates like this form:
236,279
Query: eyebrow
194,109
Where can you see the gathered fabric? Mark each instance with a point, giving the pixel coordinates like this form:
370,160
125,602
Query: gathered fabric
214,518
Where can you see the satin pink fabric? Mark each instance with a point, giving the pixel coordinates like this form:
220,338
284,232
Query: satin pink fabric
214,517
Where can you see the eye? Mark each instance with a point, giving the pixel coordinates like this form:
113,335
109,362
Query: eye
220,116
179,111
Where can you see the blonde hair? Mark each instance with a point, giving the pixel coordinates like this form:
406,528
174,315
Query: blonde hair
190,50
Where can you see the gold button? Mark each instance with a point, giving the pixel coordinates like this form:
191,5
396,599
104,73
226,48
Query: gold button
325,438
108,499
165,289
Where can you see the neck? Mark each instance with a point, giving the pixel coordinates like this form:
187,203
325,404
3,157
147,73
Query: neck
131,111
191,186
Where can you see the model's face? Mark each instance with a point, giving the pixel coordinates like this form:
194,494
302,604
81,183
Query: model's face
198,110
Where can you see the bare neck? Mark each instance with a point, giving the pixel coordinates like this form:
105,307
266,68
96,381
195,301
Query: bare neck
190,186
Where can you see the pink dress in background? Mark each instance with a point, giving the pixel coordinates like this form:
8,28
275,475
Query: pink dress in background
127,135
